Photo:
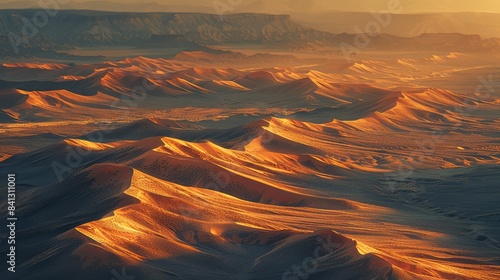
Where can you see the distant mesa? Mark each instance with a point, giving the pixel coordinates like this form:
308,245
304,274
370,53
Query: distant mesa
177,32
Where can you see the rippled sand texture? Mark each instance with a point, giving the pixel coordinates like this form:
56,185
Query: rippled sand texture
374,169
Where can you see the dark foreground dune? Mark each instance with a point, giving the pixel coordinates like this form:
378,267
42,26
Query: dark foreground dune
354,172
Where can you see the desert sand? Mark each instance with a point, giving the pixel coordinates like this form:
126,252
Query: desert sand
221,166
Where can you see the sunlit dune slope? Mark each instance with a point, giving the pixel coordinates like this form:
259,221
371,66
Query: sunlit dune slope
147,83
172,226
417,110
196,169
175,203
348,92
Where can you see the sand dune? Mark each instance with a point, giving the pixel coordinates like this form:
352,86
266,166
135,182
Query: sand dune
150,127
141,217
121,80
417,110
206,74
12,98
6,117
372,169
46,66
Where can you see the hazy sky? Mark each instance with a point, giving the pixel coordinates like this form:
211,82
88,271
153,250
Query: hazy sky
285,6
